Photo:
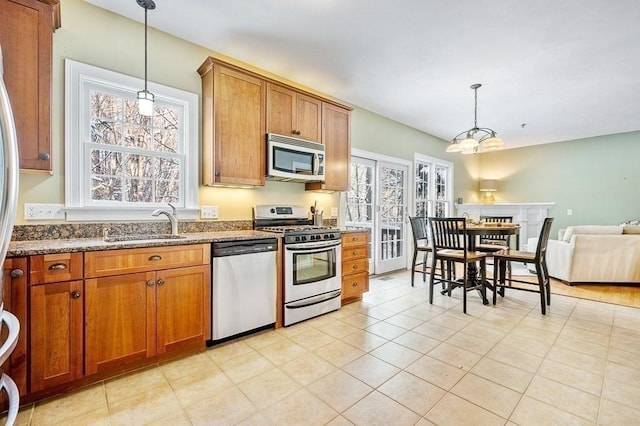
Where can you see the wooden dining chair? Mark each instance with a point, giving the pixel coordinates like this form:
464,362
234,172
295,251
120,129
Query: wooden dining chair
449,243
501,258
420,233
491,243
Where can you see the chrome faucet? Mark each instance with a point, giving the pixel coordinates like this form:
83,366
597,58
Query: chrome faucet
465,215
172,215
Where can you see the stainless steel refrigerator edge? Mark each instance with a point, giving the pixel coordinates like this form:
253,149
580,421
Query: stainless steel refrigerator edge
9,194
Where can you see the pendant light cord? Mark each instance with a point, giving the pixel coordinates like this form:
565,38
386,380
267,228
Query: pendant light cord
146,9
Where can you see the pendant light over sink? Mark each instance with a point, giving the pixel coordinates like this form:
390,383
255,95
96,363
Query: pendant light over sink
476,139
145,97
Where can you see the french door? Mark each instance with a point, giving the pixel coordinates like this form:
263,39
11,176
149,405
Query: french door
377,200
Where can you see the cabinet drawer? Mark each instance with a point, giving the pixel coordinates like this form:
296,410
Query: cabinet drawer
355,266
354,239
355,285
115,262
52,268
351,253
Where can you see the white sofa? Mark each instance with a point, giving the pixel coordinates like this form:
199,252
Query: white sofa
586,254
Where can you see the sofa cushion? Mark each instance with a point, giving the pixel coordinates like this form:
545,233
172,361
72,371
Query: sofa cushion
631,229
591,229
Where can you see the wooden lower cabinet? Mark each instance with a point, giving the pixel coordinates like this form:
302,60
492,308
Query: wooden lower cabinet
56,333
15,301
136,316
355,265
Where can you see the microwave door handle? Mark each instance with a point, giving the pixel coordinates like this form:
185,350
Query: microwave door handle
316,164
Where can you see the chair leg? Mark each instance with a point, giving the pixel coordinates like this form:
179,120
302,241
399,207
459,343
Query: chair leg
496,264
502,272
483,282
548,282
541,285
413,266
464,293
425,255
432,279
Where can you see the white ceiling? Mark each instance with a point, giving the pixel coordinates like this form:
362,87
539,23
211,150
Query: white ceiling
567,69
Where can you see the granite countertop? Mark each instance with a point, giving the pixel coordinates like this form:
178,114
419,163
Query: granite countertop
36,247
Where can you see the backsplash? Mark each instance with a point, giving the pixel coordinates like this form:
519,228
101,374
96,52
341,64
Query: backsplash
96,230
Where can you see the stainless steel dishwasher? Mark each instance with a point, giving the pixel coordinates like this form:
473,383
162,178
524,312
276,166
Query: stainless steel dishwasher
243,287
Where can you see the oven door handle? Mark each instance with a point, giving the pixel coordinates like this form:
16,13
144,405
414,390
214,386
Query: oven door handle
311,246
314,300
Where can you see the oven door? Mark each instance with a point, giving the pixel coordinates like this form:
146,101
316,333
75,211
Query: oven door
312,269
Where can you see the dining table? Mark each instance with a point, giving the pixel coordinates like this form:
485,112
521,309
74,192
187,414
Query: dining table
473,231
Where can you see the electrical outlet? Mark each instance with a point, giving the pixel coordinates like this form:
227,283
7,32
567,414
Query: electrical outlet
569,212
334,212
34,211
208,212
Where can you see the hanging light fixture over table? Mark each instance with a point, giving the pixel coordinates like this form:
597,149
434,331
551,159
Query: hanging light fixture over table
476,139
145,97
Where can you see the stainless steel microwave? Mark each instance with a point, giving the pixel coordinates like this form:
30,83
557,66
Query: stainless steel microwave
294,160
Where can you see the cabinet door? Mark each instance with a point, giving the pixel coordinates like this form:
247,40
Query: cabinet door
183,308
119,320
234,151
281,110
295,114
309,117
336,137
26,28
15,301
56,334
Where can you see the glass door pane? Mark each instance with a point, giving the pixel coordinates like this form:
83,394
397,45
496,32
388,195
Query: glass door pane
360,199
392,207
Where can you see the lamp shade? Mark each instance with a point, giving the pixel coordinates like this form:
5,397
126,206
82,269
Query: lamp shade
488,185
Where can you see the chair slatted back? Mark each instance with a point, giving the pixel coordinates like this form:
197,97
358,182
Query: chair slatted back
419,229
489,239
541,249
448,233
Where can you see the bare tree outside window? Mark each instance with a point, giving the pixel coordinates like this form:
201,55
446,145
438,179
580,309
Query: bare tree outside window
133,157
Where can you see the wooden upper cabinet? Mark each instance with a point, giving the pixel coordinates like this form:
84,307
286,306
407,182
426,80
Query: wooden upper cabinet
233,125
26,28
336,136
291,113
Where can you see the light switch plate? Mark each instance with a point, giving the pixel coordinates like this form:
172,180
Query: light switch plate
208,212
334,212
36,211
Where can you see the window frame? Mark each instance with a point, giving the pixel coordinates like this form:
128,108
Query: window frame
80,79
433,163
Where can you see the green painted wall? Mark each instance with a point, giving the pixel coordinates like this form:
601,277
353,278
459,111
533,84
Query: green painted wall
598,178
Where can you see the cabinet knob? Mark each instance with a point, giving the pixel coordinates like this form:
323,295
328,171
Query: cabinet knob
150,283
17,273
57,266
155,258
75,294
355,266
160,282
44,156
355,252
355,284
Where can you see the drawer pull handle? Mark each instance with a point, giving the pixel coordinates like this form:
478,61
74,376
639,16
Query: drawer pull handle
354,239
150,283
355,252
75,294
355,284
57,266
160,282
17,273
155,257
355,266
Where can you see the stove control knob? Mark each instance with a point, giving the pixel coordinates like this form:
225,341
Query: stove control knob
326,236
302,238
297,238
272,210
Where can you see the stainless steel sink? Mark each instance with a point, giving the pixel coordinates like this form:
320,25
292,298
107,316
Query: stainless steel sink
142,237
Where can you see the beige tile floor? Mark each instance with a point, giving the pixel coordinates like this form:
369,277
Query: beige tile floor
392,359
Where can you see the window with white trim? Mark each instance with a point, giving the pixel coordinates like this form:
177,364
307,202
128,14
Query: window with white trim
433,186
120,164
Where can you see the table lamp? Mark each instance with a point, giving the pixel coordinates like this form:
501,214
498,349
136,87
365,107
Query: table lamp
488,187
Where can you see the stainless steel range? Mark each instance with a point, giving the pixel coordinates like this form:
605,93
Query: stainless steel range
312,261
